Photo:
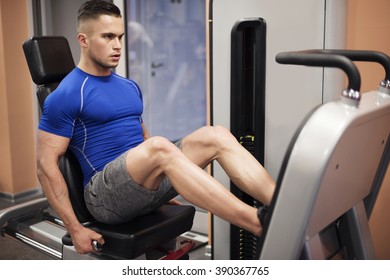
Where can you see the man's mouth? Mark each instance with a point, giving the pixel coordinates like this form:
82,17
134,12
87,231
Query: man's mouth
116,56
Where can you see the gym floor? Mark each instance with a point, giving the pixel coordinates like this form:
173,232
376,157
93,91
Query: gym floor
11,249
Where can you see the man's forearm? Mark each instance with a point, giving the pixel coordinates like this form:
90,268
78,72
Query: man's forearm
56,191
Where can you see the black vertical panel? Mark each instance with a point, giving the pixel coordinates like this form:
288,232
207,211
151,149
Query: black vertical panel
248,53
37,17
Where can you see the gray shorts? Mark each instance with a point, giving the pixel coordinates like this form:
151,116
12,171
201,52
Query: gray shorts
112,196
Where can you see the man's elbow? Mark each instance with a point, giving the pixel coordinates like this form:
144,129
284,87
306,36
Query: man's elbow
40,167
45,167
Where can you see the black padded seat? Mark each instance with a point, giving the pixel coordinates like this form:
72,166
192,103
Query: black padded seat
49,59
145,233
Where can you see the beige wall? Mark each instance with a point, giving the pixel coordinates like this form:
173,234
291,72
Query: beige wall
17,141
368,29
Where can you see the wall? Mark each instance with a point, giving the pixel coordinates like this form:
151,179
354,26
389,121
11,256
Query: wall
60,20
368,27
17,145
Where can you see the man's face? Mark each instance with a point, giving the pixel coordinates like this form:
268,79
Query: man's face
104,41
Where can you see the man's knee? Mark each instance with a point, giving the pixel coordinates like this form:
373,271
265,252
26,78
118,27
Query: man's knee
223,137
160,146
222,132
216,136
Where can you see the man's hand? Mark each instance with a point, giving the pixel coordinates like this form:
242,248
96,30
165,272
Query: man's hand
82,240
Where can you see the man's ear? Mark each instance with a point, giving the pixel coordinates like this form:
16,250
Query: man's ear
82,39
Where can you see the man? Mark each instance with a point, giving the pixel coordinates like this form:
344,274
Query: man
97,114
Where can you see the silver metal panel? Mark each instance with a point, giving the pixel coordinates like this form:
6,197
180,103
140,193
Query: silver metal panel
364,240
345,184
314,195
314,248
49,231
69,253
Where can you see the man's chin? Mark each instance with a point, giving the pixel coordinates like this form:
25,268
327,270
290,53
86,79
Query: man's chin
112,64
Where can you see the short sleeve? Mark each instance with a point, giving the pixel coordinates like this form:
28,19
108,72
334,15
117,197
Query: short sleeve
59,113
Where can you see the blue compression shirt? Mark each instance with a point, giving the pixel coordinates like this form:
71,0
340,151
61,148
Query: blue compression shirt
101,116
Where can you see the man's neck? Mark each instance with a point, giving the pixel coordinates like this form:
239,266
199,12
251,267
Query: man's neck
93,69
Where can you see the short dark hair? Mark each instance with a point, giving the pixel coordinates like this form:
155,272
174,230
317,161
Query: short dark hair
95,8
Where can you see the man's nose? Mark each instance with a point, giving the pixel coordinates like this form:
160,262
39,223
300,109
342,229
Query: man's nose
117,44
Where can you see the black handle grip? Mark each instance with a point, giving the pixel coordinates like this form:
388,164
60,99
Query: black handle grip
362,55
311,58
67,240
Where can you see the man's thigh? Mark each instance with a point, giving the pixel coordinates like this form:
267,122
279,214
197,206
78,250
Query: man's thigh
112,196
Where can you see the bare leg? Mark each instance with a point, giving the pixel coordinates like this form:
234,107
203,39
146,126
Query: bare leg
217,143
148,162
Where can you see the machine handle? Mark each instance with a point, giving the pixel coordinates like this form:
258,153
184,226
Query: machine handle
362,55
67,240
310,58
21,209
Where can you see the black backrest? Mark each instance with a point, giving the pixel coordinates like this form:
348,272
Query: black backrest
49,60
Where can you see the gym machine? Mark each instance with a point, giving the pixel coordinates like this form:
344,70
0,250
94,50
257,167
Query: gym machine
333,169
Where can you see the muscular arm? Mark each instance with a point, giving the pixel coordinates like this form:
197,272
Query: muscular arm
50,148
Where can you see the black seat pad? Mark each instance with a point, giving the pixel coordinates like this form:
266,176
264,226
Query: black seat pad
146,232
